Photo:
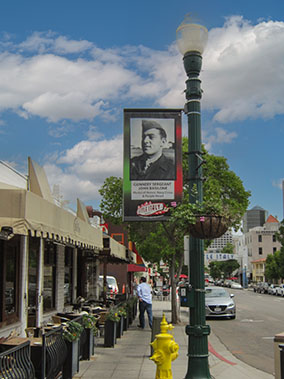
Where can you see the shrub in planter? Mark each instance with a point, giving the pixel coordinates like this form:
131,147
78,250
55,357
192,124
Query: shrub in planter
71,333
89,322
112,319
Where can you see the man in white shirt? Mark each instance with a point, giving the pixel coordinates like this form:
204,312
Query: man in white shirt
145,302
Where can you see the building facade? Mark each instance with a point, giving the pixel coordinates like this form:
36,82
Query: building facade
254,217
261,241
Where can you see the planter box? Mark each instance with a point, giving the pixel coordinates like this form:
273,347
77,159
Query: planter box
71,365
119,328
110,333
88,347
125,324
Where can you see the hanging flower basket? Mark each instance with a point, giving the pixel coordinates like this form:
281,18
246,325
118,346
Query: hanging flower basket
209,227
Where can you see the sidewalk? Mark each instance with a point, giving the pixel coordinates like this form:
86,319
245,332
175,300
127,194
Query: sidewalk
130,356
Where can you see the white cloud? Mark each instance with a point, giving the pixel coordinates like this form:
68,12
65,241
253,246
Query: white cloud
243,70
219,136
46,42
83,169
243,75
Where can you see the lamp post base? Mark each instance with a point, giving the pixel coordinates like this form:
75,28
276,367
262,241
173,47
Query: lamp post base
198,368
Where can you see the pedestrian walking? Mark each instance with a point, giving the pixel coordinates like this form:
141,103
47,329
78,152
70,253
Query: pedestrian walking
144,293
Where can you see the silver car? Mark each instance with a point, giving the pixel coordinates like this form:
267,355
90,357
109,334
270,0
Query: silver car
219,303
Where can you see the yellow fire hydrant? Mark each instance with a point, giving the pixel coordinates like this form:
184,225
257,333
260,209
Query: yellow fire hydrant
165,351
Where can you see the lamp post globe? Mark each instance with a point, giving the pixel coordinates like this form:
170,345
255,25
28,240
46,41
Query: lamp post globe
191,41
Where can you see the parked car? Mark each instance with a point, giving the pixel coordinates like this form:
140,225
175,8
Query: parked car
261,287
272,289
219,303
236,286
227,283
280,290
112,289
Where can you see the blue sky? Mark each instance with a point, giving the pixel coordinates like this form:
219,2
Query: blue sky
68,68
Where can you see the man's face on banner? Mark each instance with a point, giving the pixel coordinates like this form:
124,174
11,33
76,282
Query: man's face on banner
152,142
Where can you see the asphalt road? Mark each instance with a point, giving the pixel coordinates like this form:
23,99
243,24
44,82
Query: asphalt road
250,336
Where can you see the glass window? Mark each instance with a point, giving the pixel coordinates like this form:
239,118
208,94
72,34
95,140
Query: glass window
260,250
9,280
274,238
68,274
49,276
119,237
260,238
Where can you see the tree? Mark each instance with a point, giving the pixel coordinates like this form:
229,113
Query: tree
229,266
271,267
111,201
215,269
228,249
158,241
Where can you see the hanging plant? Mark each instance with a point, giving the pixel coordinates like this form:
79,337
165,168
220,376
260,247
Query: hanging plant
208,219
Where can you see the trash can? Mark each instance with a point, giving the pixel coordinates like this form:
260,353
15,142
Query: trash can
278,340
156,329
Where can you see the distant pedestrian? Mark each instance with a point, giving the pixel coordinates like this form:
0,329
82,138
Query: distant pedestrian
144,293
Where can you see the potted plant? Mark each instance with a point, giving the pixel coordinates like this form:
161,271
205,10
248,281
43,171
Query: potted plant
122,316
71,333
112,319
208,219
89,322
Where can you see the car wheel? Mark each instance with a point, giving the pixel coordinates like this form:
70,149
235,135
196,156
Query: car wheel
233,317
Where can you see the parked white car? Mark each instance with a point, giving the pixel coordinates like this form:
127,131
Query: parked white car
280,290
272,289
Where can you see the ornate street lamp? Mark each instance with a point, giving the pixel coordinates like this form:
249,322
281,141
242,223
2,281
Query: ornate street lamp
191,40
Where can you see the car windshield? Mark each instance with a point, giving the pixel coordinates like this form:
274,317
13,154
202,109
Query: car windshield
111,281
218,292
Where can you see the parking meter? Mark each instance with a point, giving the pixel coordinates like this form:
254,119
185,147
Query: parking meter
186,295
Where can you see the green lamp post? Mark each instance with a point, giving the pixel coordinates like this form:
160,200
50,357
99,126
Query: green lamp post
191,40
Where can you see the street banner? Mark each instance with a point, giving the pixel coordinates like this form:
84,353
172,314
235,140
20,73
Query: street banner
152,171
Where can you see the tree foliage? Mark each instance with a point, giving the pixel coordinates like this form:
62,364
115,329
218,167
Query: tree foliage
111,201
274,265
225,268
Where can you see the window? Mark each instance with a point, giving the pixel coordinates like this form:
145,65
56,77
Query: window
260,238
49,276
119,237
274,250
274,238
260,250
9,282
68,274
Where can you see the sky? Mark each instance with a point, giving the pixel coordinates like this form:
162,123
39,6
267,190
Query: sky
69,68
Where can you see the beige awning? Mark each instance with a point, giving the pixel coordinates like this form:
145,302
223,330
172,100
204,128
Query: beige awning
113,251
28,213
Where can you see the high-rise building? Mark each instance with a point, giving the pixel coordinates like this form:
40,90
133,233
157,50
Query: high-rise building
254,217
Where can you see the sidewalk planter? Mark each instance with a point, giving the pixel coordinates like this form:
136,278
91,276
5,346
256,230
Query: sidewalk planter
71,365
125,323
88,347
110,333
119,328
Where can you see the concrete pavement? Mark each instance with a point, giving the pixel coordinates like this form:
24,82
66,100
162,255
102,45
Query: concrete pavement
130,356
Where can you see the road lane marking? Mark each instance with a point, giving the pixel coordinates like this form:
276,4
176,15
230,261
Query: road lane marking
250,320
